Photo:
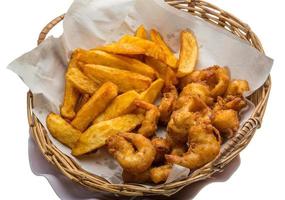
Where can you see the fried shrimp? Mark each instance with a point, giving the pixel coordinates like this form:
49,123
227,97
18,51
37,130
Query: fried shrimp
217,78
194,89
149,124
134,152
162,147
230,102
160,174
204,145
237,87
181,120
167,103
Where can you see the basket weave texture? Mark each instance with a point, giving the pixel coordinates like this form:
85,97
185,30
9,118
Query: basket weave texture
230,150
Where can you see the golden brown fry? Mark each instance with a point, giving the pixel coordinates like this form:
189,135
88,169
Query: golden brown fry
96,135
149,48
98,57
160,174
141,32
62,130
164,72
157,38
95,105
237,87
134,152
70,93
151,94
81,82
125,80
120,105
81,101
188,53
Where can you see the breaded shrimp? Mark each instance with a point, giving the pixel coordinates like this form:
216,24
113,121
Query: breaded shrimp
134,160
160,174
162,147
167,103
237,87
230,102
204,145
149,124
181,120
194,89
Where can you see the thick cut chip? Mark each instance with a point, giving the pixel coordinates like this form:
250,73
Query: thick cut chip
94,106
188,53
96,135
141,32
98,57
157,38
164,72
125,80
71,94
150,48
62,130
120,105
81,82
151,94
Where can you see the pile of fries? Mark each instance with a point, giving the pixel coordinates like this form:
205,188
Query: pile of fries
109,100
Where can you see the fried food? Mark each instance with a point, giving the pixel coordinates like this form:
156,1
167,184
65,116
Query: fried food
62,130
81,82
230,102
134,160
167,103
170,57
194,89
237,87
95,105
70,93
119,106
125,80
97,134
164,72
160,174
142,177
204,146
151,94
134,45
149,123
188,53
162,147
226,121
141,32
98,57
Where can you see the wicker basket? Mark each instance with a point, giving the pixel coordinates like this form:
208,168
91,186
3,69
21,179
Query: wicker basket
231,149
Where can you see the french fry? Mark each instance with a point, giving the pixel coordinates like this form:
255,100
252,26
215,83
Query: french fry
149,48
141,32
164,72
119,106
81,82
81,101
94,106
71,94
98,57
151,94
188,53
96,135
125,80
62,130
157,38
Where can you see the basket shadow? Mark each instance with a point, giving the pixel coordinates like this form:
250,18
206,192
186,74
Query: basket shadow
66,189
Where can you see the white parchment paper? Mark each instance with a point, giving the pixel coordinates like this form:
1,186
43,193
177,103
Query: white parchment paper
95,22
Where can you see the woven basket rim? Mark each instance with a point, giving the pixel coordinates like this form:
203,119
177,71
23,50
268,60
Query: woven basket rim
231,149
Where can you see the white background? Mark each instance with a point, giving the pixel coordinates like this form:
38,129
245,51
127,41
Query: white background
259,174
